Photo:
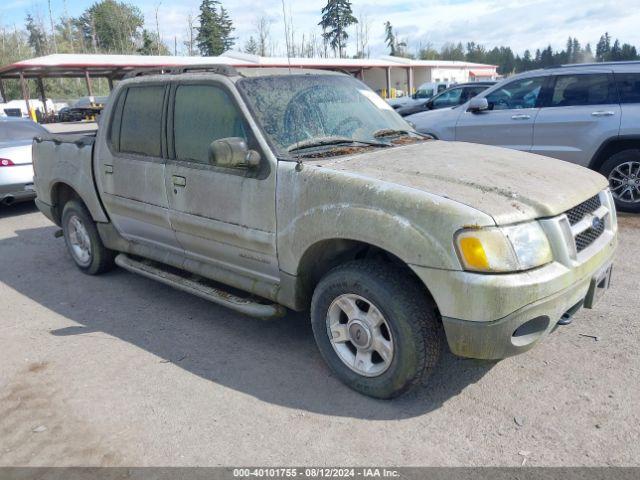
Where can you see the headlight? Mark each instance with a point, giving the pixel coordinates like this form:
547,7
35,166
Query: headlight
503,249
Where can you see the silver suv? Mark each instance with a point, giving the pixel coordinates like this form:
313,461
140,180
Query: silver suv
586,114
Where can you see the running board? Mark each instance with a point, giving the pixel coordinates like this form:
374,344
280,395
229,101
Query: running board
199,287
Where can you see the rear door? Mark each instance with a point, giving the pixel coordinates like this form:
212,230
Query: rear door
509,120
130,167
628,83
580,112
224,217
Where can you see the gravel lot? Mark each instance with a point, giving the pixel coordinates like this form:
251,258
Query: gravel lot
120,370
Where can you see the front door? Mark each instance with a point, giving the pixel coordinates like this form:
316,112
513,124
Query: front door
130,167
509,120
224,217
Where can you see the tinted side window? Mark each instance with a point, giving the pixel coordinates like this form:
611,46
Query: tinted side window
141,124
448,99
116,121
574,90
473,91
202,114
518,94
628,87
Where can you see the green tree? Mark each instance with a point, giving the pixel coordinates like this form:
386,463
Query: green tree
226,29
603,48
111,26
151,45
390,37
214,33
37,38
251,46
337,16
450,51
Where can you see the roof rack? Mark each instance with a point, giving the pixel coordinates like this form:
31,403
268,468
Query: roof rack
220,69
139,72
594,64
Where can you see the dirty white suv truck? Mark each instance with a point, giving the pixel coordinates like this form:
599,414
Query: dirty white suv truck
264,190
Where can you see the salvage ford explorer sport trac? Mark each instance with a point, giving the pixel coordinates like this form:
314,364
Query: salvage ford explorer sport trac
265,190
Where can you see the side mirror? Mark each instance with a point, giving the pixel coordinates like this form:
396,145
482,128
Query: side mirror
477,105
232,152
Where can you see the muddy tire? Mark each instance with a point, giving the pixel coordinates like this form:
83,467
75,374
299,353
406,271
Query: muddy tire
376,327
83,241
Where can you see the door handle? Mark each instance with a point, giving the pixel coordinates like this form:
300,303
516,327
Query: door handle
108,169
179,181
602,114
521,116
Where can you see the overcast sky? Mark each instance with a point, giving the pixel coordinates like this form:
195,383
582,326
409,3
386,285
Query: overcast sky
522,24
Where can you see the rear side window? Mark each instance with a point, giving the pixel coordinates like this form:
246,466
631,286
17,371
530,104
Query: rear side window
628,87
202,114
141,122
590,89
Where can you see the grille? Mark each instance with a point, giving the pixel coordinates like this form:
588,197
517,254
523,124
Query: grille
589,206
586,238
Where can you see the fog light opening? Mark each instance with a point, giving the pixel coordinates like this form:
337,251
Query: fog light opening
530,331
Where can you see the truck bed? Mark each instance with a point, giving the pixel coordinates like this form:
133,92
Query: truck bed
66,161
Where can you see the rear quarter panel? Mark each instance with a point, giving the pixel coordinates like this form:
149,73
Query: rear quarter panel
70,164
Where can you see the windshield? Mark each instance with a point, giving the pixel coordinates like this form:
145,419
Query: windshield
303,108
16,131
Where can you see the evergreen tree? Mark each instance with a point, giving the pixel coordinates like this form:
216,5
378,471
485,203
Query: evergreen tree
337,16
214,33
576,51
390,38
226,29
628,52
251,46
603,48
209,35
151,45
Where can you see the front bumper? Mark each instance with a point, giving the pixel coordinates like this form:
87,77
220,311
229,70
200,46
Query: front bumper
484,315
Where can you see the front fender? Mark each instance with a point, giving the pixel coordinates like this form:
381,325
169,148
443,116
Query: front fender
318,204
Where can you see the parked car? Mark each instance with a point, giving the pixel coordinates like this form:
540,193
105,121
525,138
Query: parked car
423,93
71,114
16,170
307,191
585,114
448,98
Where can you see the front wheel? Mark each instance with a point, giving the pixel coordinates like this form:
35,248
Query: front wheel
83,241
623,172
376,328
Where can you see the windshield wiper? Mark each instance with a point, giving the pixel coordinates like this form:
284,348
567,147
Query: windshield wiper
389,132
322,141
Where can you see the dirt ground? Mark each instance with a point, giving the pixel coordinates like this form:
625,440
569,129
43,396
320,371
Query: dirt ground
120,370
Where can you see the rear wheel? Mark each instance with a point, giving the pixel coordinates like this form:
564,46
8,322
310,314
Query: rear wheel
623,172
83,241
376,327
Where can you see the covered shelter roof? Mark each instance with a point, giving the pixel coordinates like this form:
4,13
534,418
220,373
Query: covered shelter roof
117,66
110,66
